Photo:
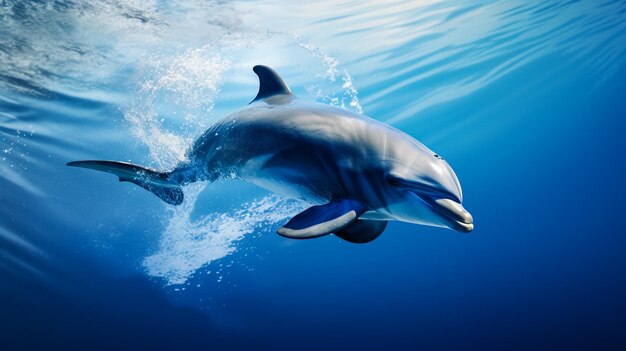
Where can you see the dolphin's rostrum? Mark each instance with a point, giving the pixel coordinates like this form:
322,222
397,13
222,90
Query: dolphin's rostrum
357,172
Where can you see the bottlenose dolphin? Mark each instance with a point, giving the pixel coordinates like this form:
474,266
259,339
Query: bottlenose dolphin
357,173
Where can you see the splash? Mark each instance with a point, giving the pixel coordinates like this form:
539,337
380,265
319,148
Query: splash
189,244
350,97
189,82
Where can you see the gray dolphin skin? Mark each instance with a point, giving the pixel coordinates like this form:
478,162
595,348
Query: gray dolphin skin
357,173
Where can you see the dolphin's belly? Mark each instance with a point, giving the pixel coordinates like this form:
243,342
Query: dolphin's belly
301,173
294,180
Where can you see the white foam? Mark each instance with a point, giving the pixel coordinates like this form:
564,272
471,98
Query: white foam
190,244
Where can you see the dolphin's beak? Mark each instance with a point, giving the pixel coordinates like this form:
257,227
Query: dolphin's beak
457,217
460,219
446,203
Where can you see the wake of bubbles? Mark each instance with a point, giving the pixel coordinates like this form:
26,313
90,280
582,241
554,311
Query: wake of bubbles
188,245
190,82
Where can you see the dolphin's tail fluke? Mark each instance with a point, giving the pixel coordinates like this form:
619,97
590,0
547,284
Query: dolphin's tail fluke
158,183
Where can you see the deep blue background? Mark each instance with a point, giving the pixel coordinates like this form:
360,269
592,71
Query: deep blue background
539,152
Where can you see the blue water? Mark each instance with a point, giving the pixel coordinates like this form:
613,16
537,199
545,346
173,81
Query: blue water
524,99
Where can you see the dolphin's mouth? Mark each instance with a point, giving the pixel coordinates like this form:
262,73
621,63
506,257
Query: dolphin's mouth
453,212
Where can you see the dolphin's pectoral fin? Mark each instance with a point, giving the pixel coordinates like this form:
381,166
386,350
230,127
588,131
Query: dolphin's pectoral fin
270,83
322,220
361,231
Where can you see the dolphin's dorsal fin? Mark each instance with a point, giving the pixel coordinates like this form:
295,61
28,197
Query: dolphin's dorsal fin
270,83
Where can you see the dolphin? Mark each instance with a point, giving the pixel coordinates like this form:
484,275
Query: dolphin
356,172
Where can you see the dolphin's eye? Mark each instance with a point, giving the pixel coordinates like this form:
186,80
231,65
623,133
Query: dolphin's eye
438,157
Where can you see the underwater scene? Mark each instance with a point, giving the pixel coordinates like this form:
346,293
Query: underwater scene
521,104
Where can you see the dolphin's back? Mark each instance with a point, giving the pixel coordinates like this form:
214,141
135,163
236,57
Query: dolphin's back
314,148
